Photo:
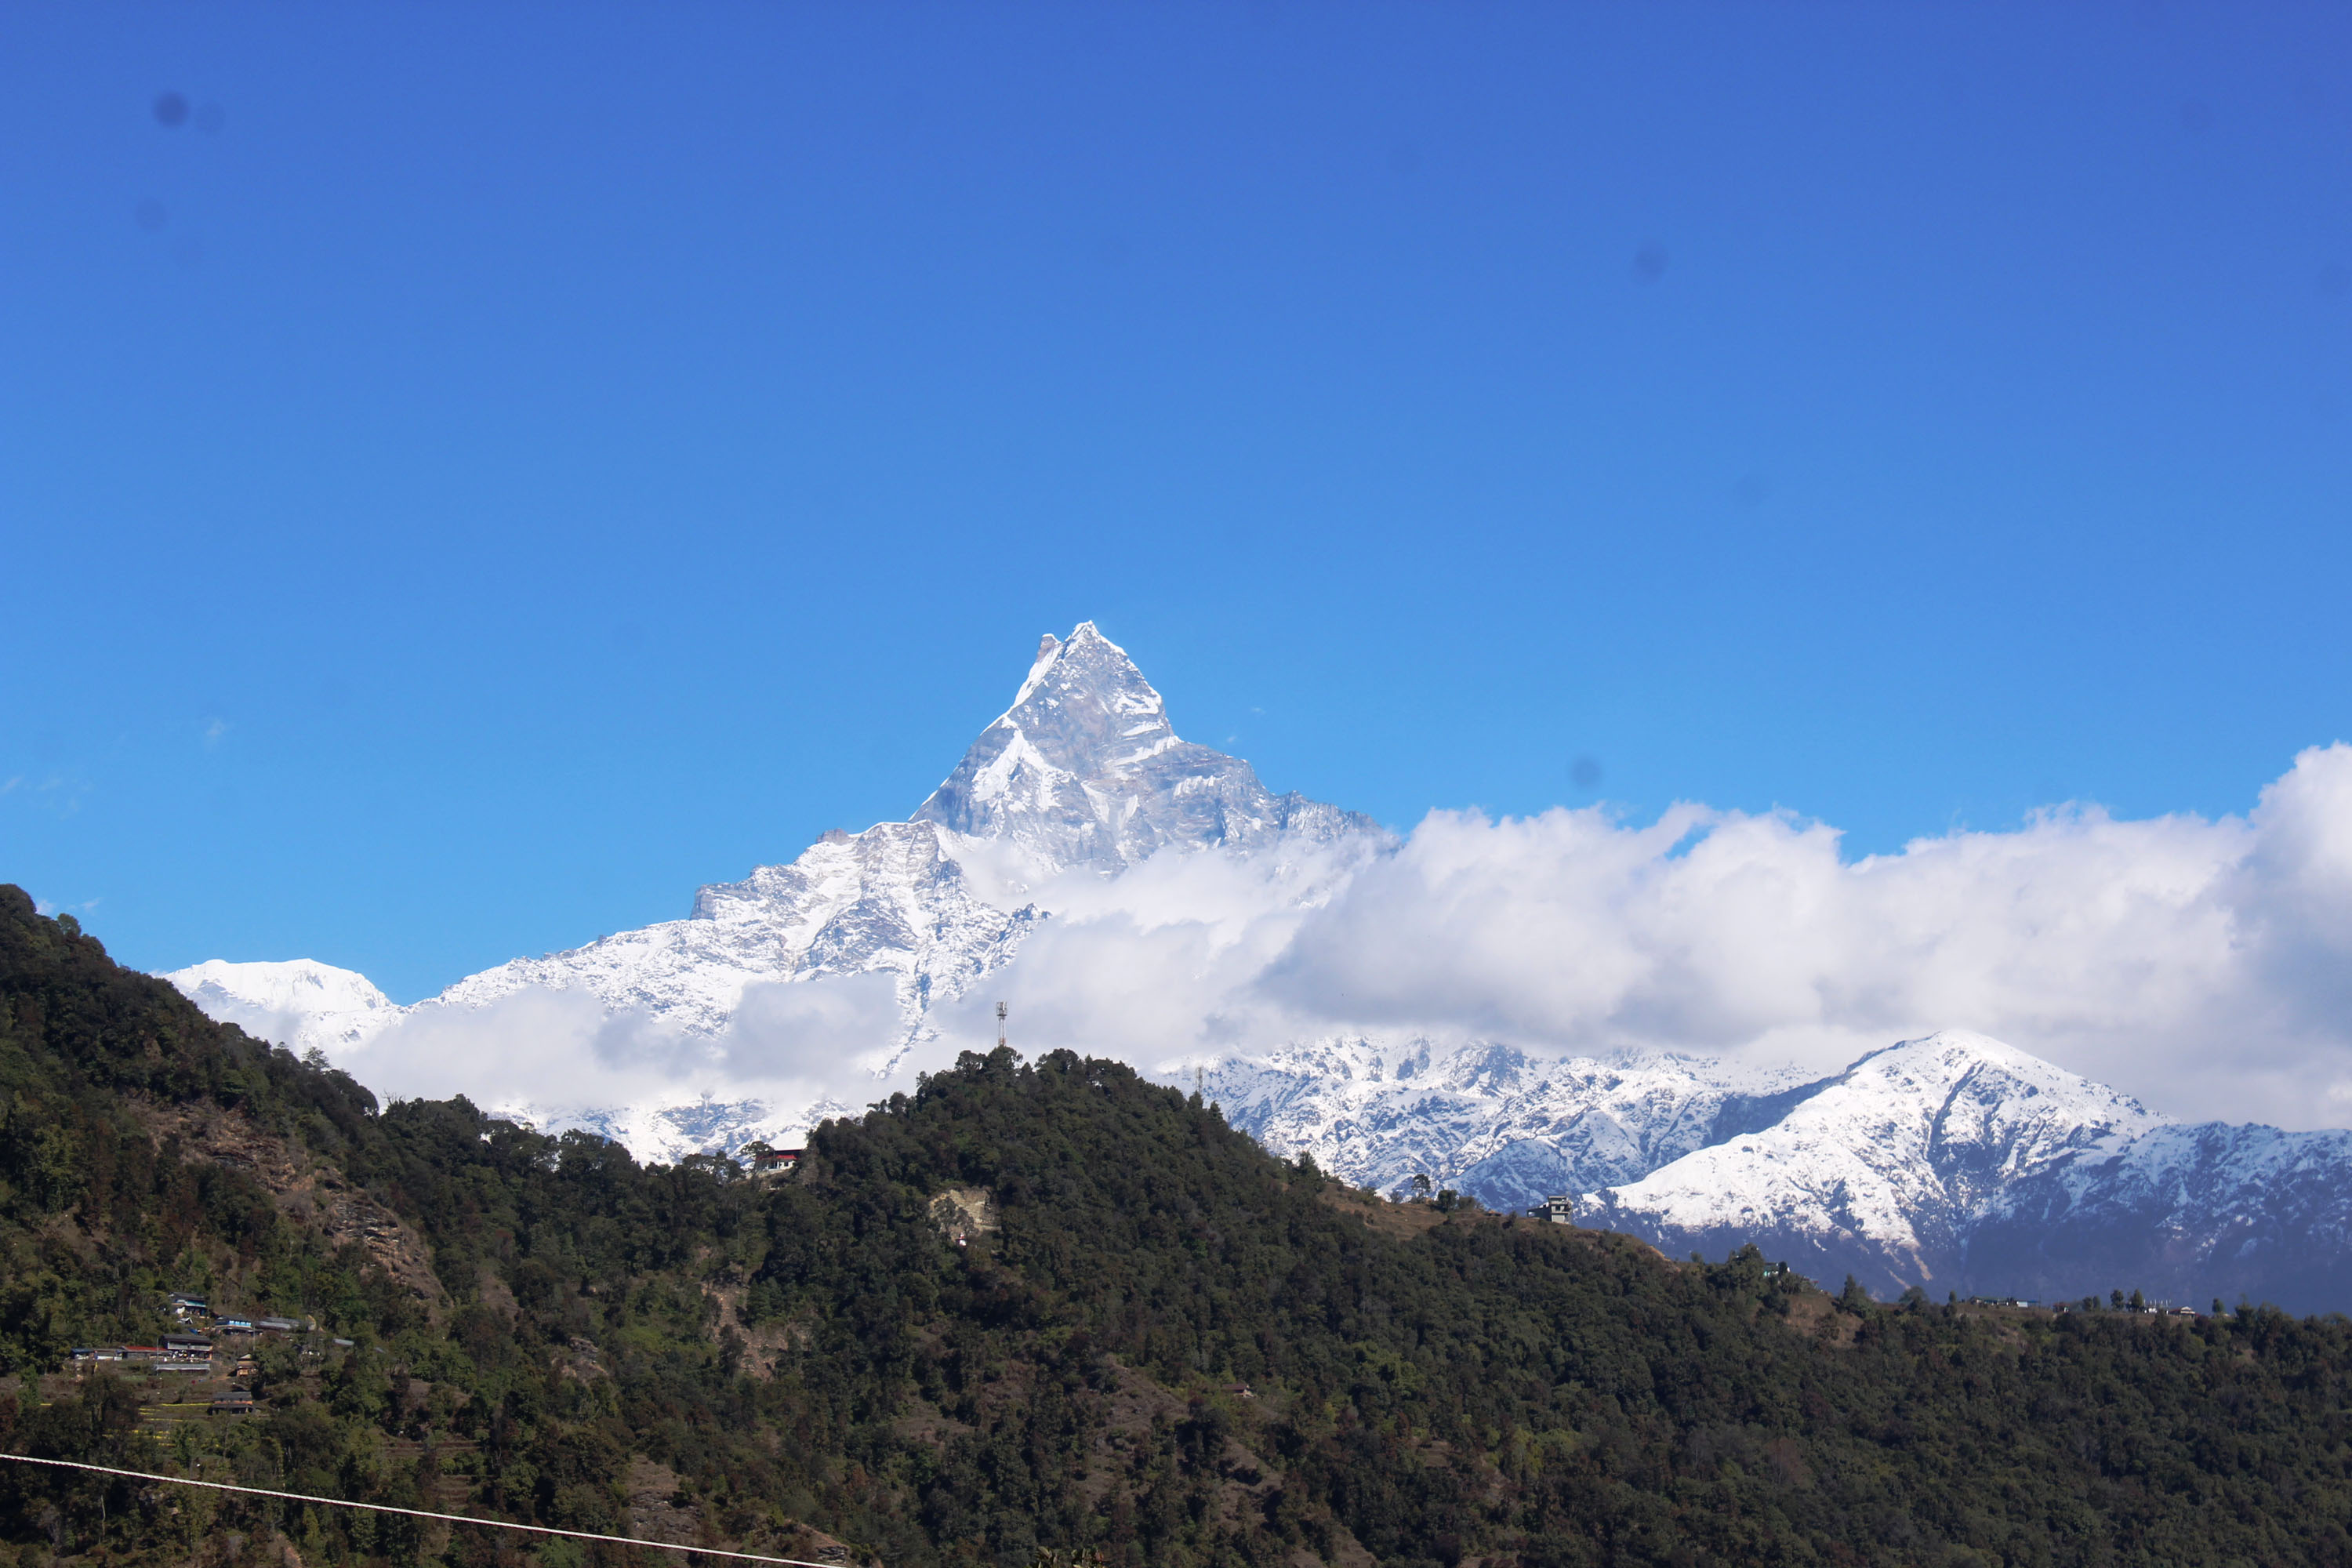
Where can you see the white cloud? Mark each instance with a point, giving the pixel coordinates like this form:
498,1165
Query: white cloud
2203,965
836,1031
791,1044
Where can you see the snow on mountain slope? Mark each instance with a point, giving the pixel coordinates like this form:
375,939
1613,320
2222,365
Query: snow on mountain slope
1884,1171
893,899
663,1132
299,1003
1506,1126
1955,1163
2186,1213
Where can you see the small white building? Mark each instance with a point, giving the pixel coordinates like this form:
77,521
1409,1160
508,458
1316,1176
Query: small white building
1560,1209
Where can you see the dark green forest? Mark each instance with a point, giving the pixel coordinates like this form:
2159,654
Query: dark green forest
1154,1344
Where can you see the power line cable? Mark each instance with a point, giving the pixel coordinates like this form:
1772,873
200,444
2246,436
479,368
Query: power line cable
415,1512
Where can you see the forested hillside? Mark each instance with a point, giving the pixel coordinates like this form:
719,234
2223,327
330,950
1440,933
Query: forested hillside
1034,1310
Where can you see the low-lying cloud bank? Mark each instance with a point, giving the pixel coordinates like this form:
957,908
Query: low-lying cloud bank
2205,966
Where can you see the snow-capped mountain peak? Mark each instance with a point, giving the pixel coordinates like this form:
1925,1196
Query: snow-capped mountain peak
1895,1158
1084,768
299,1003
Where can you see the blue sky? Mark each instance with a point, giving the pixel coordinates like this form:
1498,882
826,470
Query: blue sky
488,470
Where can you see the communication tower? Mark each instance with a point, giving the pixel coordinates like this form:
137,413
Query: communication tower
1000,1026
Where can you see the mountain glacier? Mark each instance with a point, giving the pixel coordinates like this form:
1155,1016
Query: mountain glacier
1951,1161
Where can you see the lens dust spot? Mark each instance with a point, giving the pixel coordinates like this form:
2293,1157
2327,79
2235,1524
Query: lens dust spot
1585,774
1650,262
151,216
171,110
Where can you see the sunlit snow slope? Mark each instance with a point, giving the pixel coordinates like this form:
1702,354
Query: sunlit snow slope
299,1004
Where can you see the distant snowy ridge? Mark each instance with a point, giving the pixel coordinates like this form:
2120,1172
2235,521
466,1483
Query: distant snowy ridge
1083,771
2187,1212
1954,1163
1885,1169
299,1004
1504,1124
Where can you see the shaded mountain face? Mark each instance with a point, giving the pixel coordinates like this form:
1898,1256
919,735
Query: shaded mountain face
2188,1213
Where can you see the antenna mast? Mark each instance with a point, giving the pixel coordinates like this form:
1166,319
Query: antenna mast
1000,1026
